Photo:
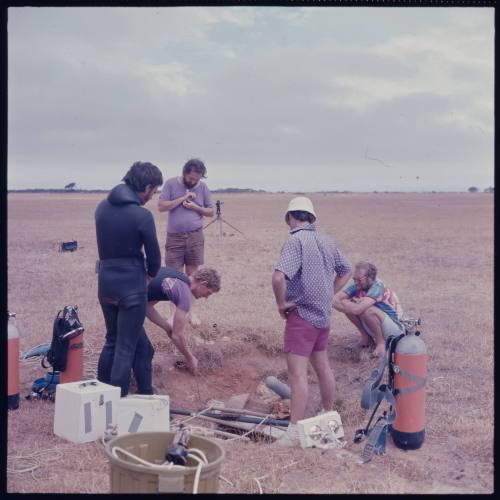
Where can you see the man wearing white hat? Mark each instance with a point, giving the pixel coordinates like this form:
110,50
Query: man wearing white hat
309,271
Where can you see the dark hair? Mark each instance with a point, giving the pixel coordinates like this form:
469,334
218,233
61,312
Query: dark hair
369,269
302,216
142,174
194,165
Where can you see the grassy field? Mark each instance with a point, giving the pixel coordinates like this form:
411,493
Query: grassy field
434,249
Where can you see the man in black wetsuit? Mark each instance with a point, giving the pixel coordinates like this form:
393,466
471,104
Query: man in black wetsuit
123,228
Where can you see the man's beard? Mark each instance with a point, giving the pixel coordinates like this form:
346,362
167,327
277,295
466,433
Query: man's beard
188,184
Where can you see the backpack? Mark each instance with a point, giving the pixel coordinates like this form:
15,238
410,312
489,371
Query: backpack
67,326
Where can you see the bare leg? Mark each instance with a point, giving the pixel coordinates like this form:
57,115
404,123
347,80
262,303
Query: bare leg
321,365
192,317
365,338
297,376
373,317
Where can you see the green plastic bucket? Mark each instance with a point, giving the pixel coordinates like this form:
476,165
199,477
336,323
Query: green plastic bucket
129,476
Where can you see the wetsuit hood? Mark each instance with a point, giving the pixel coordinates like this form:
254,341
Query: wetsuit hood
123,195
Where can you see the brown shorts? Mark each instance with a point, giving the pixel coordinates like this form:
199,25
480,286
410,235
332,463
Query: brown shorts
184,249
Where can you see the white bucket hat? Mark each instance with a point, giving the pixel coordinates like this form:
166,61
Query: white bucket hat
301,203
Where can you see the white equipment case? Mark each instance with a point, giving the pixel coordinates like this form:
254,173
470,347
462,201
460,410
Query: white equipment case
141,413
84,409
322,431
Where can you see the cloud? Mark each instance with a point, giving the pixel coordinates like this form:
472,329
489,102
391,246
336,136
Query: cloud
250,90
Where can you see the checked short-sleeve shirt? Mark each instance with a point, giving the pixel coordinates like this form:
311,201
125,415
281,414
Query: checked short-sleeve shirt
310,262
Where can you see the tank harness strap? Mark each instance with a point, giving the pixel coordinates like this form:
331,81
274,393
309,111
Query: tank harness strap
391,344
385,392
369,396
377,435
419,381
376,441
373,395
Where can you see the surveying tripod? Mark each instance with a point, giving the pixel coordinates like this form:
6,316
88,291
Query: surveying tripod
218,218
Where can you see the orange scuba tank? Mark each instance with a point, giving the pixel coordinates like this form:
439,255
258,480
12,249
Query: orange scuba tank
408,367
74,363
13,363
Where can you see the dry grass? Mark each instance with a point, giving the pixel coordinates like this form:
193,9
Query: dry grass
435,250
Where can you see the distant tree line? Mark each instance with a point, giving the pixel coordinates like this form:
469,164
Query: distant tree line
55,190
238,190
474,189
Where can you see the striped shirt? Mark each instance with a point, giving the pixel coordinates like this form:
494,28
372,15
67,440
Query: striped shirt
385,298
310,262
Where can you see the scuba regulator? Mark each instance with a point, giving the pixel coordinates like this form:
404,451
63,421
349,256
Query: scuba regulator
177,452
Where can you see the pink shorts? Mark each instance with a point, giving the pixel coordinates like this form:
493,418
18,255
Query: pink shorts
302,338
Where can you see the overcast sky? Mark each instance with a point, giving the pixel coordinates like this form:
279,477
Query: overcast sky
274,98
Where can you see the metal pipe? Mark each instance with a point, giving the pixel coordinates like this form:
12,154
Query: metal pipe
238,418
242,411
280,388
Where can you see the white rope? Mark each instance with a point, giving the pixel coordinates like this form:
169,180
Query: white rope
198,472
145,463
205,431
38,457
227,481
258,484
34,461
168,465
200,452
192,416
253,429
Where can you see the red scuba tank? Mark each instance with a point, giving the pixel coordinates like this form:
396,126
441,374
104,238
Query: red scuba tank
13,363
410,371
74,363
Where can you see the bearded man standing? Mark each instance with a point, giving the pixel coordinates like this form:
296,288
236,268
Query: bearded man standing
187,199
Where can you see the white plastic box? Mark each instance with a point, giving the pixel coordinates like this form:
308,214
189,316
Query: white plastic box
141,413
84,409
322,431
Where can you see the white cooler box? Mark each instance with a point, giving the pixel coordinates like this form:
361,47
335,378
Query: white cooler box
84,409
141,413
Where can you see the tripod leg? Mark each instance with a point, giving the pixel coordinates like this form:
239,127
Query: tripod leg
211,222
236,229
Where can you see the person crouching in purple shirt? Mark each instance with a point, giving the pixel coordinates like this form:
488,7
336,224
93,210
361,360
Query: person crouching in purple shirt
309,271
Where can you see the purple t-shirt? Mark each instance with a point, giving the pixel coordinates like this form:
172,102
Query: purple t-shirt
180,219
177,292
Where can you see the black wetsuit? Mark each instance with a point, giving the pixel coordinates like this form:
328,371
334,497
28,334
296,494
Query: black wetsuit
123,228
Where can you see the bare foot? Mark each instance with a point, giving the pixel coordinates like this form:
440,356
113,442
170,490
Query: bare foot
364,340
379,351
